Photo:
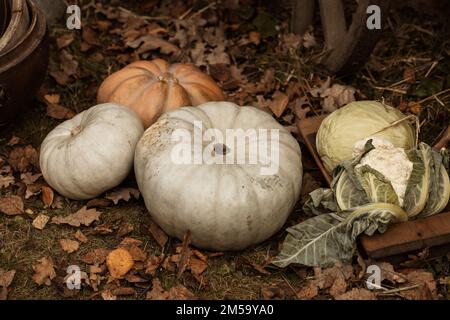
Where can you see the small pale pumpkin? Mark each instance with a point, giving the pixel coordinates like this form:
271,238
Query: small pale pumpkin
153,87
92,152
227,206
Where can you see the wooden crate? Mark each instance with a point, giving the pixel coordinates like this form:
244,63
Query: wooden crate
400,238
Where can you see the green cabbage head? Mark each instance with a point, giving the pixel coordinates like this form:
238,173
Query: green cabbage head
357,121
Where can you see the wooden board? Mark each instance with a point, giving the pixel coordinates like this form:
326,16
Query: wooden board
401,238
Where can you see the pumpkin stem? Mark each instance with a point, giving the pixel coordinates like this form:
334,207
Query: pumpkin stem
76,130
167,77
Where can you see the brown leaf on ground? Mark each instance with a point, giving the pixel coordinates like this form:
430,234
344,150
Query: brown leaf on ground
11,205
123,194
22,158
47,196
59,112
137,253
178,292
152,264
90,37
65,40
29,178
128,242
158,234
107,295
300,110
98,203
68,65
96,256
80,236
197,266
148,43
357,294
337,96
278,103
255,266
103,229
125,229
6,277
308,291
83,216
326,278
13,141
132,278
123,291
185,254
6,181
409,74
427,288
44,271
69,246
339,286
40,221
119,262
273,293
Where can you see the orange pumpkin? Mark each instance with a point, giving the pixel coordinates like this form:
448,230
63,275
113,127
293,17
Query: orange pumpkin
153,87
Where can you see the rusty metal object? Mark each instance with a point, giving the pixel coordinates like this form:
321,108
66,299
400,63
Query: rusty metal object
18,25
23,67
5,17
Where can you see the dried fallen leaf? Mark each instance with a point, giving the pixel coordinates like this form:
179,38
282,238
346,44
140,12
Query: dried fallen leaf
357,294
13,141
273,293
40,221
44,271
83,216
308,291
96,256
185,254
59,112
65,40
96,203
69,246
119,262
125,229
108,295
47,196
158,234
69,65
80,236
279,103
6,181
90,37
197,266
426,285
6,277
178,292
11,205
123,291
22,158
255,266
337,96
152,264
150,42
123,194
29,178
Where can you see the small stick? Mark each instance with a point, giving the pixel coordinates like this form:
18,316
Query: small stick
389,292
443,140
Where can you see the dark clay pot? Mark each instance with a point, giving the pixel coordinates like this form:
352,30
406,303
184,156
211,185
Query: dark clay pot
23,67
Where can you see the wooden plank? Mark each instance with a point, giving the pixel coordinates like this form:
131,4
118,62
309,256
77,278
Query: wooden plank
432,232
308,129
409,236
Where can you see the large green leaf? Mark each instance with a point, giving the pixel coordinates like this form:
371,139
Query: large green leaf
348,195
328,238
439,187
320,201
376,186
418,188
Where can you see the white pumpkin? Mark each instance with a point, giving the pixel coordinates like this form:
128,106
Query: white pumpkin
92,152
224,206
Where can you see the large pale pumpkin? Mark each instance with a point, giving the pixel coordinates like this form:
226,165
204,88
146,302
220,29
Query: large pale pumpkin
153,87
92,152
224,206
